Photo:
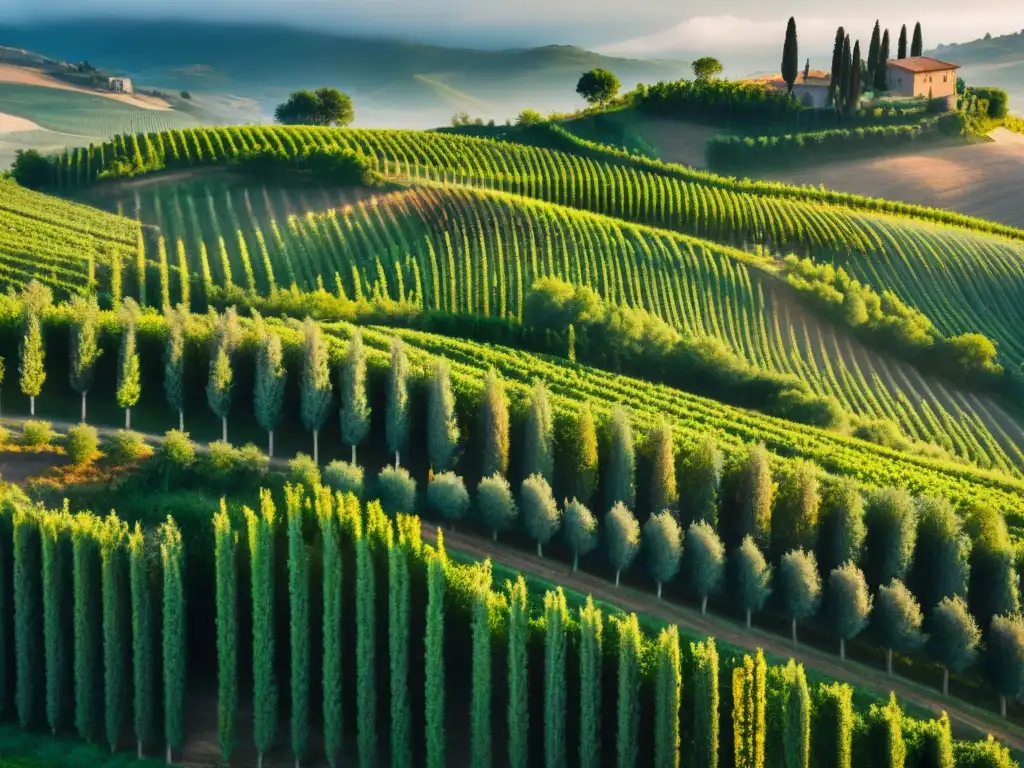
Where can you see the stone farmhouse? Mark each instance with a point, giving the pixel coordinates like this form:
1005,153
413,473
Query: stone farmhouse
923,77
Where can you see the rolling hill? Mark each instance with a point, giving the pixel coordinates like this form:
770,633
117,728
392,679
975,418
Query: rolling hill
998,61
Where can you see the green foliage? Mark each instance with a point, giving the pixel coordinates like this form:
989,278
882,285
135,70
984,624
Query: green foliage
896,619
87,608
704,559
175,456
622,538
796,713
397,426
664,490
225,548
753,575
663,543
344,477
355,408
447,496
324,106
590,655
518,679
494,426
37,434
930,742
434,651
993,578
598,86
298,603
261,530
942,553
849,602
795,516
668,694
884,740
28,619
841,532
982,754
954,636
833,722
31,169
316,165
705,704
85,350
129,384
495,505
582,456
173,628
706,67
442,426
82,444
366,677
621,472
397,490
628,715
702,481
538,435
748,711
580,528
539,511
790,55
302,470
33,357
398,652
144,675
1004,654
799,585
328,516
269,387
556,616
115,626
54,549
174,358
317,392
756,492
891,520
221,381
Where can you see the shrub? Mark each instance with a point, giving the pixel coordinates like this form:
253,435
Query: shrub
5,436
82,444
251,463
345,477
396,490
302,470
218,464
126,446
447,496
37,434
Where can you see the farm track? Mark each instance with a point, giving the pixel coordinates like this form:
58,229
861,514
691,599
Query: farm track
961,713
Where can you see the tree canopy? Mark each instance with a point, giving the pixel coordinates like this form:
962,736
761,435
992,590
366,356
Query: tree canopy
706,67
598,86
324,106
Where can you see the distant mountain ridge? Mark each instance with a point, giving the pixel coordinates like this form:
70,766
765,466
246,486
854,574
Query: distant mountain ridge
997,61
385,77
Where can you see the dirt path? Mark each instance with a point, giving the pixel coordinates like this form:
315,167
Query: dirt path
14,124
28,76
859,675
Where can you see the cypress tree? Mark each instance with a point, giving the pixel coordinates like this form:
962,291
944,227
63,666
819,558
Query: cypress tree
702,482
261,557
355,409
317,391
846,71
796,708
799,586
896,620
298,602
580,527
330,537
954,638
495,505
705,704
33,359
849,603
993,574
664,490
129,385
1004,657
795,517
881,66
556,616
705,561
891,519
753,577
832,744
619,479
28,623
841,532
790,55
591,657
115,640
225,547
668,684
837,66
398,651
873,48
172,559
494,425
442,426
481,696
853,100
936,745
941,562
582,464
366,678
174,362
87,611
538,435
748,712
434,645
518,677
756,492
630,652
85,351
885,735
622,535
219,385
397,427
54,532
539,510
663,542
269,386
917,45
901,49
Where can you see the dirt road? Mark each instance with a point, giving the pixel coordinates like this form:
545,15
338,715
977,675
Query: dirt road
28,76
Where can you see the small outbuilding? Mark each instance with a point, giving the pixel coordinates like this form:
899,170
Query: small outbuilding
120,85
922,77
810,89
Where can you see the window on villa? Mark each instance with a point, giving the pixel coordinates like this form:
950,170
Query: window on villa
945,78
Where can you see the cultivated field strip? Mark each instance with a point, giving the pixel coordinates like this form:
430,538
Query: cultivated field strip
471,251
692,416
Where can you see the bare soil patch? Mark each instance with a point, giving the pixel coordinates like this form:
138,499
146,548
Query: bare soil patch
18,467
27,76
677,141
13,124
981,179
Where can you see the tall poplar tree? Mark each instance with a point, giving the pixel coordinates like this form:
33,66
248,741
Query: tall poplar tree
317,390
538,435
580,527
849,603
556,617
620,477
33,360
753,575
795,516
298,603
87,608
172,559
796,712
518,677
705,704
837,67
85,350
269,386
355,408
582,462
261,534
539,511
668,685
756,492
749,683
853,99
941,564
434,651
917,45
494,427
129,383
663,544
398,651
331,576
790,55
442,426
54,531
846,72
627,742
366,678
622,535
174,362
873,48
591,624
881,66
480,705
397,425
664,489
832,743
221,380
115,625
225,546
901,48
702,482
28,621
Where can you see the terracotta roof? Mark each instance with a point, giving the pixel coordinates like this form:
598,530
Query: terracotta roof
921,64
815,77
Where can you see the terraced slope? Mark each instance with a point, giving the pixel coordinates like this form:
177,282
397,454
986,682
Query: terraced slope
60,243
463,250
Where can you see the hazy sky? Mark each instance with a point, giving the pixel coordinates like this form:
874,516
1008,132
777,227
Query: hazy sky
631,27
